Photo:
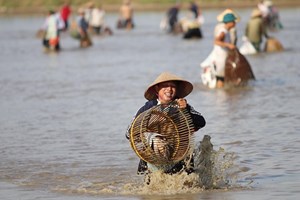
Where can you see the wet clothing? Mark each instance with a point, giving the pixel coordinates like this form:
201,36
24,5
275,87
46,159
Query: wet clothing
220,53
97,20
216,60
193,33
198,122
232,33
83,25
194,9
173,17
255,30
51,27
124,23
218,78
191,28
180,166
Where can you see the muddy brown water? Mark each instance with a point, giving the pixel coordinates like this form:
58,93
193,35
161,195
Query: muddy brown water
63,116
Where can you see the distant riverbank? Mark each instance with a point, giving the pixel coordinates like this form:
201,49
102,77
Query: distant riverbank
41,6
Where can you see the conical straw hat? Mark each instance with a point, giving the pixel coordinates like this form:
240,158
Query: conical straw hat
183,89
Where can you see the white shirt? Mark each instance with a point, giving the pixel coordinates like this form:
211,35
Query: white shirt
97,17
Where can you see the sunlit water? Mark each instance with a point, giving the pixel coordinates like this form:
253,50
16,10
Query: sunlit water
63,116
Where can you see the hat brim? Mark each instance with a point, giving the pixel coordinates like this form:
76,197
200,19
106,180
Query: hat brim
183,88
221,15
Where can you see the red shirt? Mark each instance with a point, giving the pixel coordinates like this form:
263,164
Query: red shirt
65,12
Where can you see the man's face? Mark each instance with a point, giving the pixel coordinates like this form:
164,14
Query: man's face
166,91
231,24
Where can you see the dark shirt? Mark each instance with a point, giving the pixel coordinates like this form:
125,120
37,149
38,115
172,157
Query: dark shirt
194,9
198,119
83,24
198,122
172,14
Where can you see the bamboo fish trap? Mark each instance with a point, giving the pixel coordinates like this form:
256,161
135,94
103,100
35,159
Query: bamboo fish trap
162,135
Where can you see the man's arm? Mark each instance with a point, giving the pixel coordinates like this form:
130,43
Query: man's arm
198,119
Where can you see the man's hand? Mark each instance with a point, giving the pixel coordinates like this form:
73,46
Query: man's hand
181,103
231,46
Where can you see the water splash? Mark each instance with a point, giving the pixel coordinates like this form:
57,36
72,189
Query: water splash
214,169
165,184
217,169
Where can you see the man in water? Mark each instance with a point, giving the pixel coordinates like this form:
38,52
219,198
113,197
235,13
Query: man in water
85,40
165,89
51,27
65,13
126,16
172,15
256,29
222,44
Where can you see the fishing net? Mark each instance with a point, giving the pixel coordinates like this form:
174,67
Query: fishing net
162,135
237,70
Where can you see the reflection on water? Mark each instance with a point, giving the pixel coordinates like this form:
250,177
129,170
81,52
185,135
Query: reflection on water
64,115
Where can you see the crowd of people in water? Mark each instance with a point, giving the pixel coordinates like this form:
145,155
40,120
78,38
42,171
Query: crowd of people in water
150,136
216,70
189,25
226,63
90,21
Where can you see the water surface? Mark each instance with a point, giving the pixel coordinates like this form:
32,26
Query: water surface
63,116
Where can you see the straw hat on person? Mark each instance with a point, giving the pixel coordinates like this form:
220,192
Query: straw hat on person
229,17
221,16
183,88
256,13
268,3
